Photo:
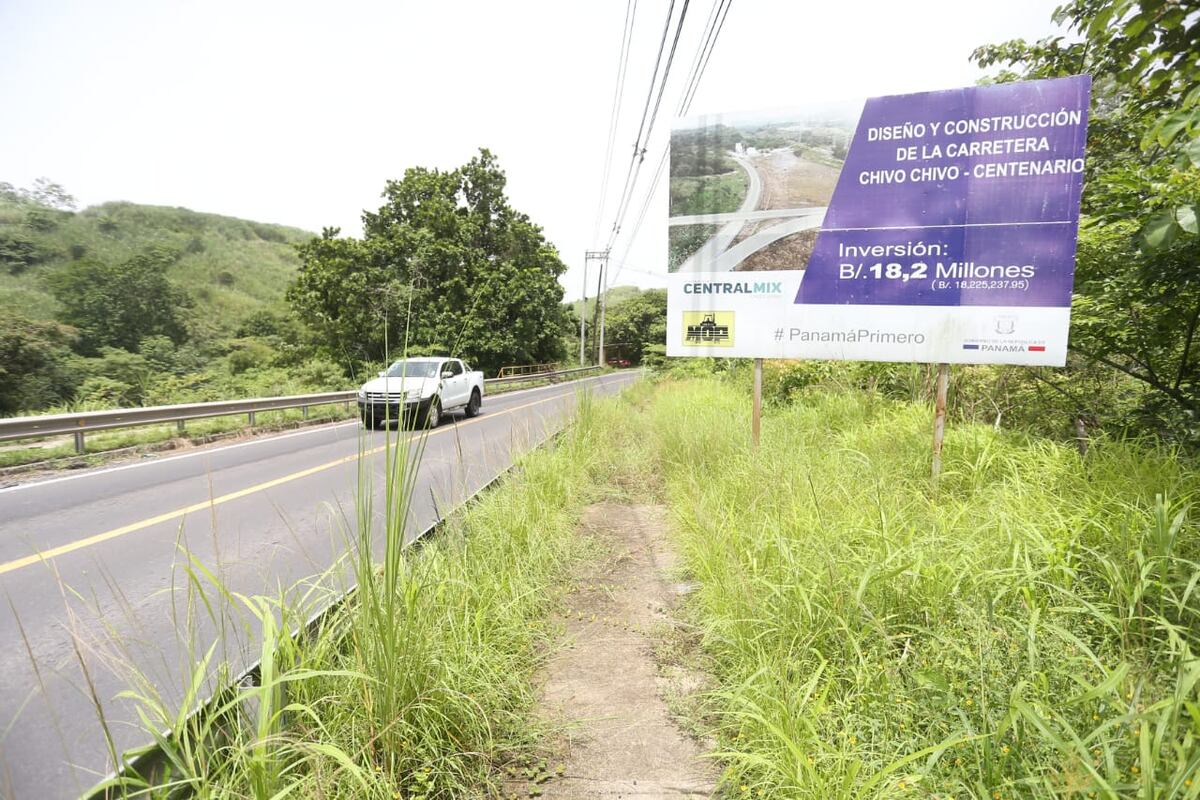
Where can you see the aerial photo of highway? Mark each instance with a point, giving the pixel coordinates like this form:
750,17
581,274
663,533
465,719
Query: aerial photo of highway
750,192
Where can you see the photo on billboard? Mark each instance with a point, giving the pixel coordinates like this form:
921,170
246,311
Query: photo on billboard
748,192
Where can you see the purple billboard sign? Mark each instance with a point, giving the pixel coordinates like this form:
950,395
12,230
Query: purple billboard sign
962,197
937,227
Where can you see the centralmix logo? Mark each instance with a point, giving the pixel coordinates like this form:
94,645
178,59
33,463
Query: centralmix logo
708,328
767,288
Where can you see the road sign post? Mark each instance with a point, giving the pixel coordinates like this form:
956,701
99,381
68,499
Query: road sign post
583,311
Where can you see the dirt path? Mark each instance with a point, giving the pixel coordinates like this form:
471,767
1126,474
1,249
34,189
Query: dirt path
605,685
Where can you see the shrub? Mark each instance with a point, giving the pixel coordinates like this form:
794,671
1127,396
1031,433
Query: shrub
102,392
17,252
246,354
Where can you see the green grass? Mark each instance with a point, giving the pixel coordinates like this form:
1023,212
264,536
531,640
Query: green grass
1029,630
711,194
1026,630
419,686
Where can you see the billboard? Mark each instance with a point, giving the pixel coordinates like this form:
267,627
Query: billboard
934,227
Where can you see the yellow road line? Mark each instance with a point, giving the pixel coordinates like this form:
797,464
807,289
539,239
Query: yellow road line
79,544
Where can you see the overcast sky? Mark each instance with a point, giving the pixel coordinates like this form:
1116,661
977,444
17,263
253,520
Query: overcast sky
297,112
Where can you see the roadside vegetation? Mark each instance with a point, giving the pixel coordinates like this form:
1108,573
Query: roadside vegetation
1029,629
1137,294
419,685
1026,629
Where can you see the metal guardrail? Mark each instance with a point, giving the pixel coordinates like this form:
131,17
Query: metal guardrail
83,422
527,369
539,376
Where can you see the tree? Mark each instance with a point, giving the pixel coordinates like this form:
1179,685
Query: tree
444,264
17,252
118,305
44,192
1137,304
1145,126
34,363
635,324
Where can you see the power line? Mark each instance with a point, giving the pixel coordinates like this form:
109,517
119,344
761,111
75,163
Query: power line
639,143
662,162
699,65
662,87
614,116
704,37
686,103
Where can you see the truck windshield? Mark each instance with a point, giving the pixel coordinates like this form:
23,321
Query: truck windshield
412,369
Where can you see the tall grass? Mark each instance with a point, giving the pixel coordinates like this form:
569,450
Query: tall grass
1030,631
420,684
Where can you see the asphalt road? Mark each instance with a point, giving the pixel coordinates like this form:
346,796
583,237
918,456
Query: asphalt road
92,581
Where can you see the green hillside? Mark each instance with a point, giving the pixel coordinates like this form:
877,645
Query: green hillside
123,304
229,267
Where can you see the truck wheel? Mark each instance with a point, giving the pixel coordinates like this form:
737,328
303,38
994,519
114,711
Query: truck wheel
433,414
474,403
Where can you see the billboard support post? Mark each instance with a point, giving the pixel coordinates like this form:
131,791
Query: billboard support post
756,412
939,418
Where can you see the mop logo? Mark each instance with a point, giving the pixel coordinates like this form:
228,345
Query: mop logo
708,328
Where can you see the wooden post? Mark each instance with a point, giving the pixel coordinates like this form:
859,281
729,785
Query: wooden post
756,413
939,418
1081,436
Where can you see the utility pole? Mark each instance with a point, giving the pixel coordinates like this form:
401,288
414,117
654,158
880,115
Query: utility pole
603,304
590,255
583,311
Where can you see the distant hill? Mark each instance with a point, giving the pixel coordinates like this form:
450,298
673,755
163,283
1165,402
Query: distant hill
230,267
616,294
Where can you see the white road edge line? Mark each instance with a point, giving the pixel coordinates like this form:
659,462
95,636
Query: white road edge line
257,440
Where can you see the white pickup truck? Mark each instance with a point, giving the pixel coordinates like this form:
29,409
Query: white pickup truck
418,391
